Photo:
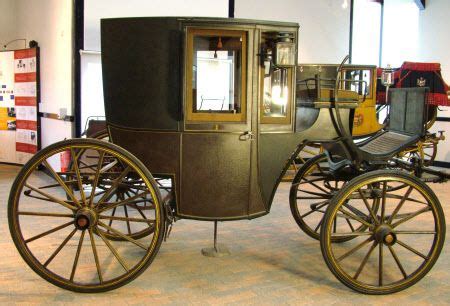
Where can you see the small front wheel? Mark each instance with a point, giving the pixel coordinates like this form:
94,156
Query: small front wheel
62,220
404,236
311,191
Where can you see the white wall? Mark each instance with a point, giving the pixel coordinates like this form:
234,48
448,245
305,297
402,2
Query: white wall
7,23
434,36
49,22
400,32
97,9
434,46
324,25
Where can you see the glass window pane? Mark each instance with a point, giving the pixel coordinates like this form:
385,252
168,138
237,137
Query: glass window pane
216,74
358,80
276,93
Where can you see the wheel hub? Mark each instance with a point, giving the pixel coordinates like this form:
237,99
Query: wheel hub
85,218
385,234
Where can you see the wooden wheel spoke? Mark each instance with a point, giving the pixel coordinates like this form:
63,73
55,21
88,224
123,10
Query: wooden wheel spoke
366,203
112,217
309,198
416,232
128,219
354,217
96,179
351,234
399,206
44,214
55,229
366,258
411,216
319,224
136,206
114,185
355,210
123,202
57,185
413,250
86,166
140,211
383,201
350,224
315,185
94,250
77,172
353,250
61,183
77,256
380,264
395,196
114,251
318,206
397,261
118,233
321,195
319,179
50,197
61,246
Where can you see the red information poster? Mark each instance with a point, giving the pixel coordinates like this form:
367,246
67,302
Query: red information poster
18,105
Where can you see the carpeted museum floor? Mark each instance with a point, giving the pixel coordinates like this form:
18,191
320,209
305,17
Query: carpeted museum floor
271,263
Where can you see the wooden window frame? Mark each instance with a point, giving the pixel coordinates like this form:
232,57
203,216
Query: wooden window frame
214,117
373,79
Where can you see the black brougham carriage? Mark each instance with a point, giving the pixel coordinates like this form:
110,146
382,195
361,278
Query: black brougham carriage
202,118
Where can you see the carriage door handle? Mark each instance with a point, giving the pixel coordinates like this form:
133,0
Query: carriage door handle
247,135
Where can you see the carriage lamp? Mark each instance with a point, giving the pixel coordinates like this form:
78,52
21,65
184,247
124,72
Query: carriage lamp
387,76
387,79
280,89
284,51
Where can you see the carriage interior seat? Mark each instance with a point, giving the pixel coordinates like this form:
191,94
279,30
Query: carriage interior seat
406,125
321,94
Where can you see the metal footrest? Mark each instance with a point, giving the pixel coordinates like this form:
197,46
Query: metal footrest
388,143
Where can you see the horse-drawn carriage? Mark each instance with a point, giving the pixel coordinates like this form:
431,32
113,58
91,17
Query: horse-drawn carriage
202,118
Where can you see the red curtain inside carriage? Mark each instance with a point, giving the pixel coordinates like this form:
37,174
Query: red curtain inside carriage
412,74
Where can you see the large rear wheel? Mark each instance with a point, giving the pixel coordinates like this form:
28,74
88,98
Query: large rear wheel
68,235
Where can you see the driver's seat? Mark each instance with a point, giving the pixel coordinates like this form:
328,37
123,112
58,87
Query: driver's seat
406,125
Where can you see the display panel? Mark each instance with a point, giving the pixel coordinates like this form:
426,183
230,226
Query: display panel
19,105
216,62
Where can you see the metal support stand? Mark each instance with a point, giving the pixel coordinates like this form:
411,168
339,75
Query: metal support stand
218,250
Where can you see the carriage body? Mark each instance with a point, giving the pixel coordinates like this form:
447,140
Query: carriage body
220,141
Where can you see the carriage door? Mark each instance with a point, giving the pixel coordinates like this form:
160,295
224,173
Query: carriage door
217,137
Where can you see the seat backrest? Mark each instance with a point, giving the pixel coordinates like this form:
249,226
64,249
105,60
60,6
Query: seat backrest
407,113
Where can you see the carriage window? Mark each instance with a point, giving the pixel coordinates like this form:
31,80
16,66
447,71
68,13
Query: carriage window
215,75
359,80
